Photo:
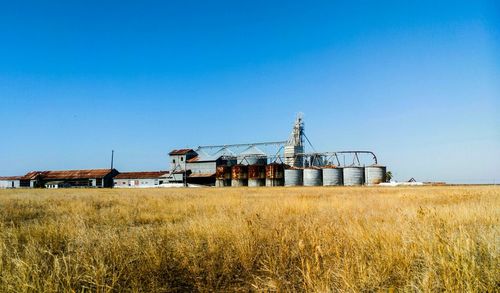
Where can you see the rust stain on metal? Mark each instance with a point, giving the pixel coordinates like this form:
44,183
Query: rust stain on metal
180,152
275,171
11,178
76,174
223,172
192,160
330,167
256,172
33,175
239,172
202,175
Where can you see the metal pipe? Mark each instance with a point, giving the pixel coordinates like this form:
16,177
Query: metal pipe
341,152
241,145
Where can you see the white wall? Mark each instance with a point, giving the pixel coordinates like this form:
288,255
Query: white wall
136,183
8,183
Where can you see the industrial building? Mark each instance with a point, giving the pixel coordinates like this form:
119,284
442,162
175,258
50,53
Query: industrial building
288,164
140,179
291,165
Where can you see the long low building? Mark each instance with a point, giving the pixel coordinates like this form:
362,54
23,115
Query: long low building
61,179
78,178
140,179
10,182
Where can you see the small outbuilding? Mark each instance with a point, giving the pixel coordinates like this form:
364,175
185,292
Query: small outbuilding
10,182
146,179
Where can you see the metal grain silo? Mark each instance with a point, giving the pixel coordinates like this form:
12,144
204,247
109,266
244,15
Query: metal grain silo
313,177
332,176
256,175
275,174
375,174
222,176
294,177
239,175
354,176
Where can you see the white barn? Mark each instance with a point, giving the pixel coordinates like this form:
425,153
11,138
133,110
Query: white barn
140,179
10,182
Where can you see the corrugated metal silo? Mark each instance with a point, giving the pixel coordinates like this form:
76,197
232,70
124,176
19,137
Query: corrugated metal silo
313,177
275,174
256,175
332,176
239,175
354,176
294,177
375,174
222,176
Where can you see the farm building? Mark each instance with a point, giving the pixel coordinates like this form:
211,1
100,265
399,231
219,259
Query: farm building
202,168
189,166
79,178
140,179
178,158
10,182
31,179
70,178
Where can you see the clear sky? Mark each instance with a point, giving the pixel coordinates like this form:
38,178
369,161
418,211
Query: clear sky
418,82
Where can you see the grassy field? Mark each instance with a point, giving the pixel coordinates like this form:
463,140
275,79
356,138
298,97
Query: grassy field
264,239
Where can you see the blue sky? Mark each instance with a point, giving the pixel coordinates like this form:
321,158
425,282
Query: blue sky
418,82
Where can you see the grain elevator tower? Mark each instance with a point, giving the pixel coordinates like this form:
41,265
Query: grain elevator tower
295,144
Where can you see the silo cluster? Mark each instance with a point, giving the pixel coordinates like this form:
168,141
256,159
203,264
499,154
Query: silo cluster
331,175
275,174
251,171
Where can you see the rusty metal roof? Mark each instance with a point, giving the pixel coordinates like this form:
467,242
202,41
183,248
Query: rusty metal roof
202,159
11,177
192,160
32,175
141,175
76,174
201,175
180,152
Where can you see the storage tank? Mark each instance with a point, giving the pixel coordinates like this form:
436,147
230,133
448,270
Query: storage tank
275,174
222,176
239,175
313,177
354,176
375,174
332,176
256,175
294,177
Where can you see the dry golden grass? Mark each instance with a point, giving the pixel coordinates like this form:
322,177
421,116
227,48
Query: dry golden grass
264,239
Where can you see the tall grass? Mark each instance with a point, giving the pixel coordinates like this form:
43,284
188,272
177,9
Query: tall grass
264,239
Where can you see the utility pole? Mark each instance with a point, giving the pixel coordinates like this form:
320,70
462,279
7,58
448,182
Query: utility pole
112,157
